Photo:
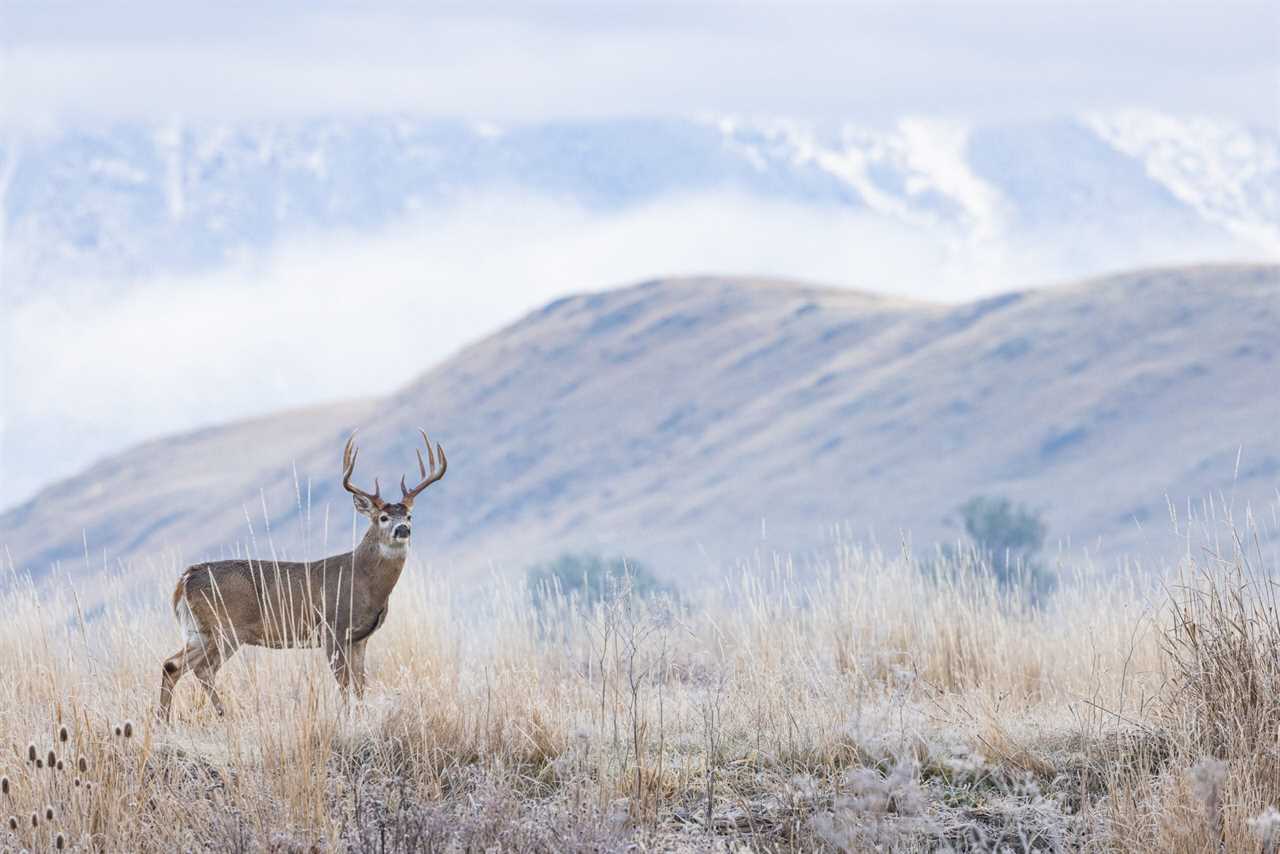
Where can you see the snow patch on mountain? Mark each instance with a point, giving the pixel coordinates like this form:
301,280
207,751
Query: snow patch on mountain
915,173
1228,173
129,200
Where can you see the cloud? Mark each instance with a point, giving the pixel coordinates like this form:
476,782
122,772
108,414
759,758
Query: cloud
355,315
514,61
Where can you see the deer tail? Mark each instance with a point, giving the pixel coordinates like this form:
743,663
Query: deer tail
180,592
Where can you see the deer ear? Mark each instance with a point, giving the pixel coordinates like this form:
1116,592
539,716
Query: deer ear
363,504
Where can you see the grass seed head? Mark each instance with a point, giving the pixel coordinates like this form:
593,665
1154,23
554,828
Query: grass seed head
83,764
59,842
35,819
31,752
39,763
13,822
4,785
119,731
48,812
51,759
60,765
128,729
63,734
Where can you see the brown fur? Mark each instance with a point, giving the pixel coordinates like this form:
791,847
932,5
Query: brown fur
336,603
179,590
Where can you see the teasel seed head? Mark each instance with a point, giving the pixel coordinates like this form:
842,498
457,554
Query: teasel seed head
39,763
51,759
48,812
13,822
128,729
35,819
59,842
4,785
119,731
83,764
77,781
60,765
63,734
31,752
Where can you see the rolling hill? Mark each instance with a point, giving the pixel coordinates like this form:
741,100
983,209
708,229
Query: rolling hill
104,223
689,422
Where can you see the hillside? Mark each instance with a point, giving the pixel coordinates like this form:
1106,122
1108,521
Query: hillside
690,421
117,232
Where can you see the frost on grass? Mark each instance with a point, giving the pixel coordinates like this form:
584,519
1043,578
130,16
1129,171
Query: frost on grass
874,707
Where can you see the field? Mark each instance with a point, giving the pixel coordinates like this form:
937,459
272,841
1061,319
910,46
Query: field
860,704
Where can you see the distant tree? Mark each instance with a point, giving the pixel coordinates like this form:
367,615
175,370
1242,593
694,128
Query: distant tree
1004,529
590,578
1007,538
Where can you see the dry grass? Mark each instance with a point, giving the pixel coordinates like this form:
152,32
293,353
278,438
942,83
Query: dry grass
871,707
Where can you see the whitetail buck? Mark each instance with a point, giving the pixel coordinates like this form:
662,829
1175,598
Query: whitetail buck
335,603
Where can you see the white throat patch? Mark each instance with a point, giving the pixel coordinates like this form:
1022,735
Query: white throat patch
392,550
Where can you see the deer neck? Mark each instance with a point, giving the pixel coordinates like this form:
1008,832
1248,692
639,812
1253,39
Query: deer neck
379,565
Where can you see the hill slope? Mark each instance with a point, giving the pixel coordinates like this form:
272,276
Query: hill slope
682,420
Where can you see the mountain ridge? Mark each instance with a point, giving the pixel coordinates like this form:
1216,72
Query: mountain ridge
131,199
675,419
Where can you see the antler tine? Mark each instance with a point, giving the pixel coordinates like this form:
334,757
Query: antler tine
349,456
427,441
428,476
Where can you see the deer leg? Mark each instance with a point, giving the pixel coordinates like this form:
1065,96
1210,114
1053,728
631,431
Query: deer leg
357,668
214,655
172,670
201,656
340,664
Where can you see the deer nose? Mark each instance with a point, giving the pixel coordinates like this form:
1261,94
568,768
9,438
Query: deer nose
402,532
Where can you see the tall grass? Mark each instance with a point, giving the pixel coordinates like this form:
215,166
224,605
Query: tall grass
874,706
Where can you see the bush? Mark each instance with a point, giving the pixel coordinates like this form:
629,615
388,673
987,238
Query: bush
590,578
1006,538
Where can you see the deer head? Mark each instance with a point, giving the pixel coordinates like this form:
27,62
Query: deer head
392,523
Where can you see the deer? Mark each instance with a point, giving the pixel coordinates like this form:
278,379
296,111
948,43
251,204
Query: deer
336,603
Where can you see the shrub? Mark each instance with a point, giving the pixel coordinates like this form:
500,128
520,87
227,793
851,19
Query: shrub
1005,538
590,578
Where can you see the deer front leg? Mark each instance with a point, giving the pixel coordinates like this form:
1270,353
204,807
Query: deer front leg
342,658
338,663
347,663
357,668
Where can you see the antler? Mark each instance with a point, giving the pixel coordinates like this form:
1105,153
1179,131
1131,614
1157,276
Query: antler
349,454
428,478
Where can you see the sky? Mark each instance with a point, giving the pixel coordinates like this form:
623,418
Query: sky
62,65
521,60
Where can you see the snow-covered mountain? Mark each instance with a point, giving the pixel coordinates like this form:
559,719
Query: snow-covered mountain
112,235
132,199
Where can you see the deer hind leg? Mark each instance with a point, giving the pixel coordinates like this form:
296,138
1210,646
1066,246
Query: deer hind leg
172,670
203,656
216,653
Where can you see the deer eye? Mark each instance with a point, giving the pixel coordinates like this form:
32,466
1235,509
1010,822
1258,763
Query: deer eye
384,518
